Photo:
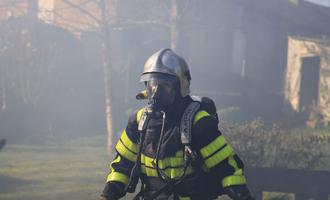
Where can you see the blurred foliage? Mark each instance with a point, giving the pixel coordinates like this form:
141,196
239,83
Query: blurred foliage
316,118
262,146
278,197
234,114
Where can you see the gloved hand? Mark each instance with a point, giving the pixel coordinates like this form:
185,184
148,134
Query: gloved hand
113,191
238,192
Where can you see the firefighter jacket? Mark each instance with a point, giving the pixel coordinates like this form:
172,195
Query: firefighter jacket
218,166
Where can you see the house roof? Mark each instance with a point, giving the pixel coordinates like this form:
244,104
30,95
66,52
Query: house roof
299,17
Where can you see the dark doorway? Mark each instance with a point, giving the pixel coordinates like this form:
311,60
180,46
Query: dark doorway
309,85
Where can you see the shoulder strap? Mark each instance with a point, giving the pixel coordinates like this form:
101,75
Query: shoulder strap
196,98
187,121
142,120
139,115
191,115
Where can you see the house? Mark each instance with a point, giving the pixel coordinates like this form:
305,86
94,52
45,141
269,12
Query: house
273,55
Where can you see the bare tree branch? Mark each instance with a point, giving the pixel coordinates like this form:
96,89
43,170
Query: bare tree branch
82,10
67,6
144,22
68,23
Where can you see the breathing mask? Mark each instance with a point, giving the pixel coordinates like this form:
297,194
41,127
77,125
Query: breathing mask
161,93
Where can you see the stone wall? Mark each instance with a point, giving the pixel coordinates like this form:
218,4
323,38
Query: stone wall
305,47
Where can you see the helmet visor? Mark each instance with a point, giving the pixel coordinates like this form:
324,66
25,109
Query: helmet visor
150,76
160,88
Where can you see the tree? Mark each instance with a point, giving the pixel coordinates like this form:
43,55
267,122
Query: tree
24,64
173,24
106,66
99,16
32,53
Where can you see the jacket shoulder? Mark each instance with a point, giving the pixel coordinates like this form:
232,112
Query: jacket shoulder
134,119
132,125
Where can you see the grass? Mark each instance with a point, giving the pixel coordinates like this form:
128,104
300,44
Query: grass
63,171
73,169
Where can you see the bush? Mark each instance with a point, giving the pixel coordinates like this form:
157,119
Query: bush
260,146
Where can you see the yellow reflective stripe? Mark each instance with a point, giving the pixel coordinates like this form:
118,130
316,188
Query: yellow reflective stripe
238,172
179,154
213,146
199,115
233,180
173,167
233,163
184,198
162,164
128,143
167,162
117,160
123,151
116,176
219,156
139,114
170,172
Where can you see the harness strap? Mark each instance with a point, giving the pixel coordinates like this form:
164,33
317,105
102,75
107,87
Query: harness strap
134,176
187,122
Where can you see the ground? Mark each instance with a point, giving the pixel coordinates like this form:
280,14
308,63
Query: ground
74,169
51,172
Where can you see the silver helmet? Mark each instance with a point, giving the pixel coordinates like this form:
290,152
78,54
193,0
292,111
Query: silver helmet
166,62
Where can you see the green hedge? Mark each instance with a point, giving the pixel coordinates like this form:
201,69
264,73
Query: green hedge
263,146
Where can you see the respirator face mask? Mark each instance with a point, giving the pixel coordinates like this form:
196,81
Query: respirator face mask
161,93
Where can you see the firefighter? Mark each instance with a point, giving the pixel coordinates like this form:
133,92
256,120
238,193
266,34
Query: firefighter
175,156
